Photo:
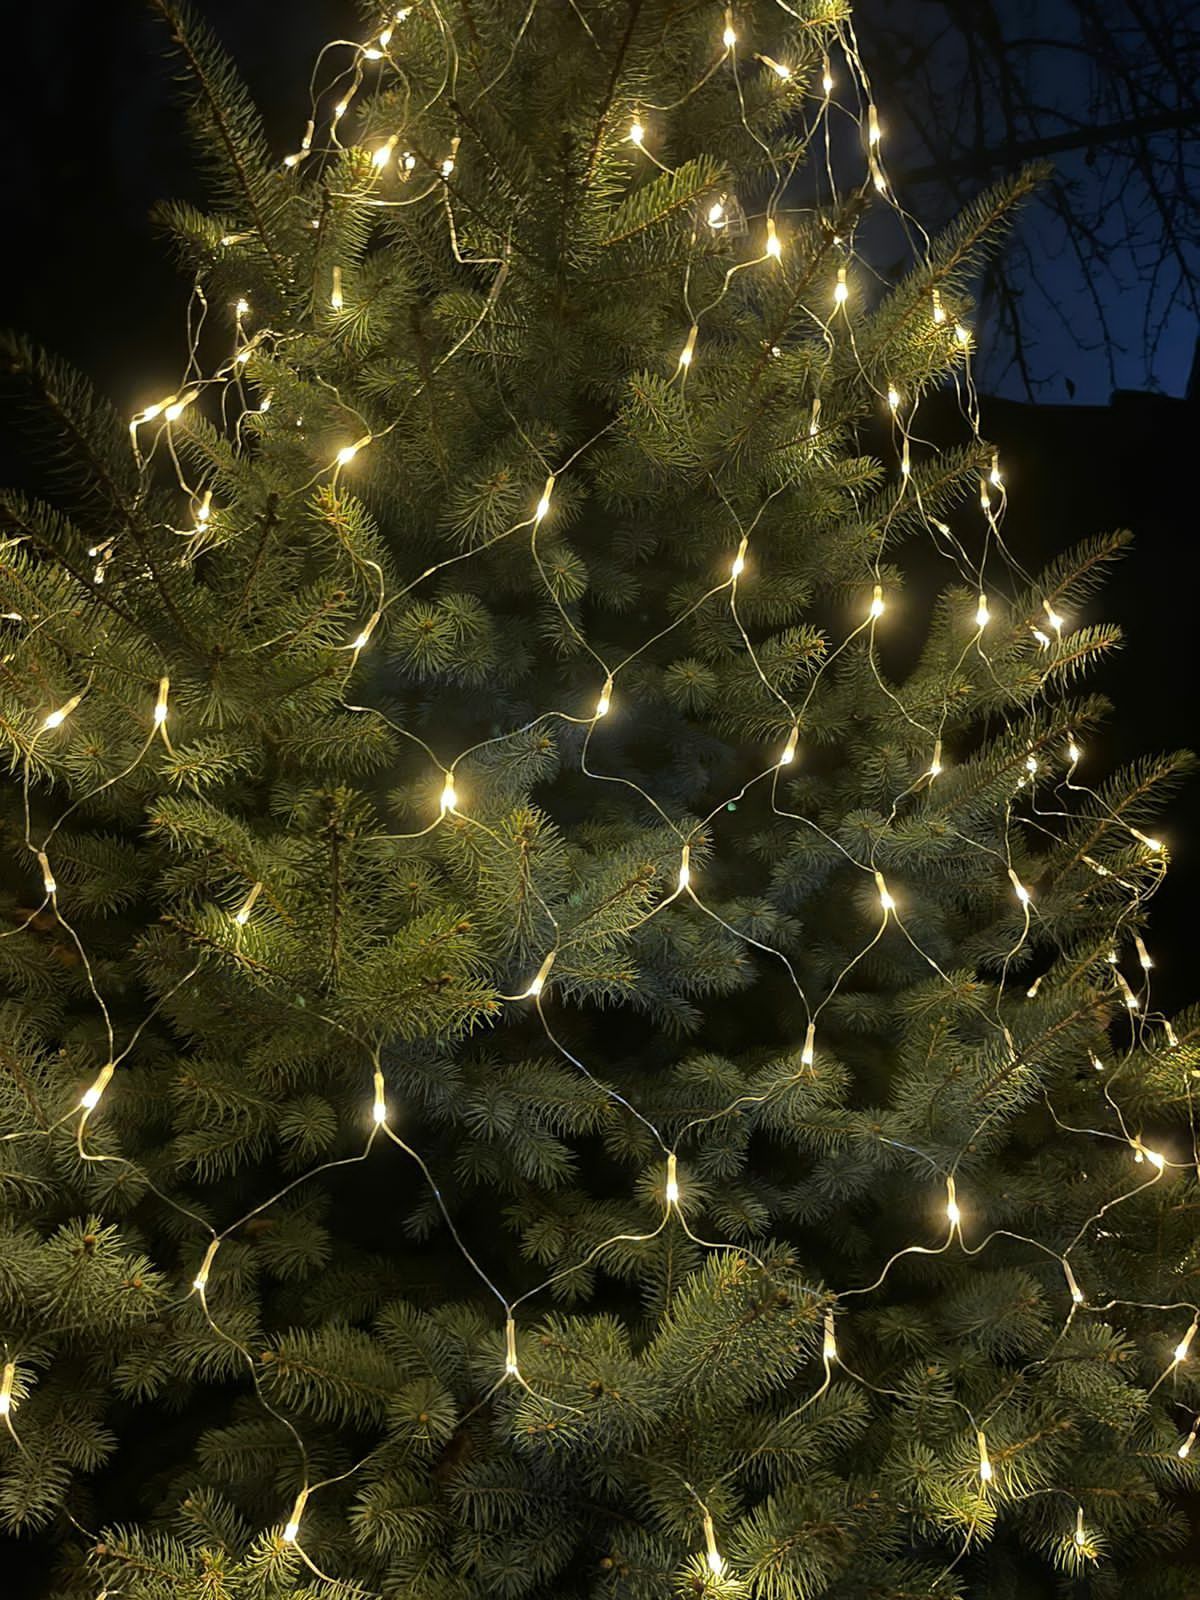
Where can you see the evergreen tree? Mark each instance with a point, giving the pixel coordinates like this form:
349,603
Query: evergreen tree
562,1036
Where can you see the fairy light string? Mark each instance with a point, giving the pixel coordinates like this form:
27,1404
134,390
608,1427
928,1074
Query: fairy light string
156,423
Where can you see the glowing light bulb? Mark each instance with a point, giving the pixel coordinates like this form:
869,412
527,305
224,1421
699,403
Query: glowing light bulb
729,37
242,308
91,1096
385,38
200,1281
716,214
1043,639
841,289
340,110
449,794
48,883
1074,753
1019,889
788,754
6,1387
1143,954
539,982
885,897
372,53
242,915
829,1344
689,349
939,310
781,71
1072,1283
982,615
346,455
1031,992
1172,1039
408,161
953,1213
877,607
1097,1064
637,133
893,397
671,1192
1185,1449
826,77
935,766
685,869
963,335
808,1054
384,154
1181,1349
739,561
815,424
905,459
204,509
774,245
1150,844
873,131
379,1108
716,1562
985,1465
604,703
336,299
175,410
1080,1530
363,637
1052,616
291,1527
1031,764
985,499
543,505
160,705
510,1349
55,719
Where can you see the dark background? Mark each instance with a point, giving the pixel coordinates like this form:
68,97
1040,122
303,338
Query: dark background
91,136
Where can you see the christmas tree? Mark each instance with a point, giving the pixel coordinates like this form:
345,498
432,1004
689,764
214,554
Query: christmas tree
574,1025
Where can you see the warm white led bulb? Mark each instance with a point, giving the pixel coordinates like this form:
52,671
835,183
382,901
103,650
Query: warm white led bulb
779,68
671,1192
982,615
689,348
384,153
685,869
1181,1349
829,1344
636,133
1052,616
841,289
160,705
963,335
200,1281
336,299
1072,1283
716,214
543,505
91,1097
6,1387
1080,1530
739,561
808,1054
985,1465
539,981
346,455
873,130
774,246
55,719
48,883
510,1348
379,1109
716,1562
885,897
449,794
877,602
935,766
1185,1449
242,915
788,754
939,310
604,703
1019,889
291,1527
827,77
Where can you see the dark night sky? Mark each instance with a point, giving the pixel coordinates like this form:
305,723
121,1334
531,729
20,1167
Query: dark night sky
91,137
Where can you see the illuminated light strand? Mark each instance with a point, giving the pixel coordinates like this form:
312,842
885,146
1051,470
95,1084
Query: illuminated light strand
348,452
878,606
242,915
1154,845
826,76
774,245
982,615
729,37
953,1210
885,896
363,637
604,703
841,289
788,754
671,1192
689,349
739,560
449,797
383,155
379,1110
